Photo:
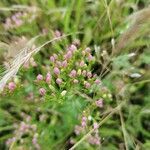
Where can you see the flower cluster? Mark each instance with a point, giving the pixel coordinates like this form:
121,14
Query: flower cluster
93,139
69,69
18,19
14,21
24,128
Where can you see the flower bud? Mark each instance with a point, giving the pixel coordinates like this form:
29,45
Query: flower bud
90,57
84,73
99,103
56,71
64,63
75,81
72,48
95,125
89,74
73,73
52,59
42,91
68,55
55,56
97,81
59,81
88,50
57,33
87,85
39,77
82,64
48,78
83,124
11,86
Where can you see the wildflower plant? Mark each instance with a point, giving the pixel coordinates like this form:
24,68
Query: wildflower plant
67,79
74,75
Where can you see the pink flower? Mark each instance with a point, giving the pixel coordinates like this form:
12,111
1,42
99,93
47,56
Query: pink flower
11,86
82,64
10,141
42,91
89,74
55,56
76,42
57,33
87,85
56,71
34,141
30,96
68,55
72,48
58,81
75,81
88,50
58,63
52,59
39,77
84,118
64,63
90,57
48,78
18,22
83,124
78,129
95,75
95,140
84,73
97,81
99,103
95,125
23,127
73,73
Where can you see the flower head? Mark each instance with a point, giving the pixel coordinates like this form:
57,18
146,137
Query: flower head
95,125
89,74
90,57
39,77
11,86
42,91
88,50
72,47
48,78
59,81
84,73
52,59
82,64
75,81
56,71
87,85
99,103
97,81
64,63
73,73
68,55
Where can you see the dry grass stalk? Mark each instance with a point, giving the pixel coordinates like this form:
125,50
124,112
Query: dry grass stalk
138,19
